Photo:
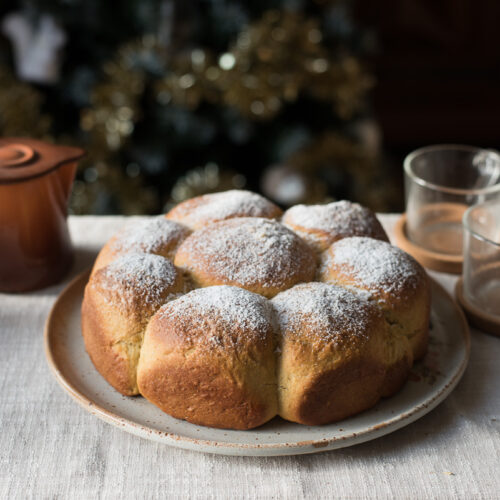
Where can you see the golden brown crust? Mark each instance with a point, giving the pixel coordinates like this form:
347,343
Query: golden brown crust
198,212
420,342
332,362
180,388
208,358
257,254
399,359
118,302
110,362
396,377
339,392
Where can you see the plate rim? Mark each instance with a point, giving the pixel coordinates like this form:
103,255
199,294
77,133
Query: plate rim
227,448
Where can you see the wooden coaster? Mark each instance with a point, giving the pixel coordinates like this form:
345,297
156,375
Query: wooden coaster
480,319
433,260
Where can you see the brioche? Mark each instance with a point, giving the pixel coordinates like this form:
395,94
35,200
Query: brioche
196,213
321,225
332,362
118,302
399,286
157,235
257,254
222,314
208,358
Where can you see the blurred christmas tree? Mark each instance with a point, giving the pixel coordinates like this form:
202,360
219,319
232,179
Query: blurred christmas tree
175,99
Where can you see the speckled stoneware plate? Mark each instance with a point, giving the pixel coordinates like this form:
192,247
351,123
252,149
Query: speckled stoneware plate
430,382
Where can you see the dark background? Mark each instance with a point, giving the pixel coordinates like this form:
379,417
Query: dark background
438,71
436,68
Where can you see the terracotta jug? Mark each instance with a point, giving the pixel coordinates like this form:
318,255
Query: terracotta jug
35,185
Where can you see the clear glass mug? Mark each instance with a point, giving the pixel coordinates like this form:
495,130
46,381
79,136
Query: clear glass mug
441,182
481,272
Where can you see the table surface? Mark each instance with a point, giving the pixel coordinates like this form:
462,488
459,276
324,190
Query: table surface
51,448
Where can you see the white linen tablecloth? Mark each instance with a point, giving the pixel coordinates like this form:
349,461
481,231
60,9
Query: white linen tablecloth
51,448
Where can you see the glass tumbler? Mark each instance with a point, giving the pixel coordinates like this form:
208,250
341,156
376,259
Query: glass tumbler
441,182
481,272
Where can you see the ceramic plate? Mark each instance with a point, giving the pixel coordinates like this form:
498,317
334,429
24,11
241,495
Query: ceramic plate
430,382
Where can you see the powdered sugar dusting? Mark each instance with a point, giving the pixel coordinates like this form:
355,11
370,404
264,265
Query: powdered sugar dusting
339,219
323,311
150,236
225,205
225,315
249,251
375,264
137,276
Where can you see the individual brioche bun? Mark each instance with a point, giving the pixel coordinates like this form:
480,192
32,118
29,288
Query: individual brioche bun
332,362
321,225
208,358
197,212
156,235
260,255
400,287
119,300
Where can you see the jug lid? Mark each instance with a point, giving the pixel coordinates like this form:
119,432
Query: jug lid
23,158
